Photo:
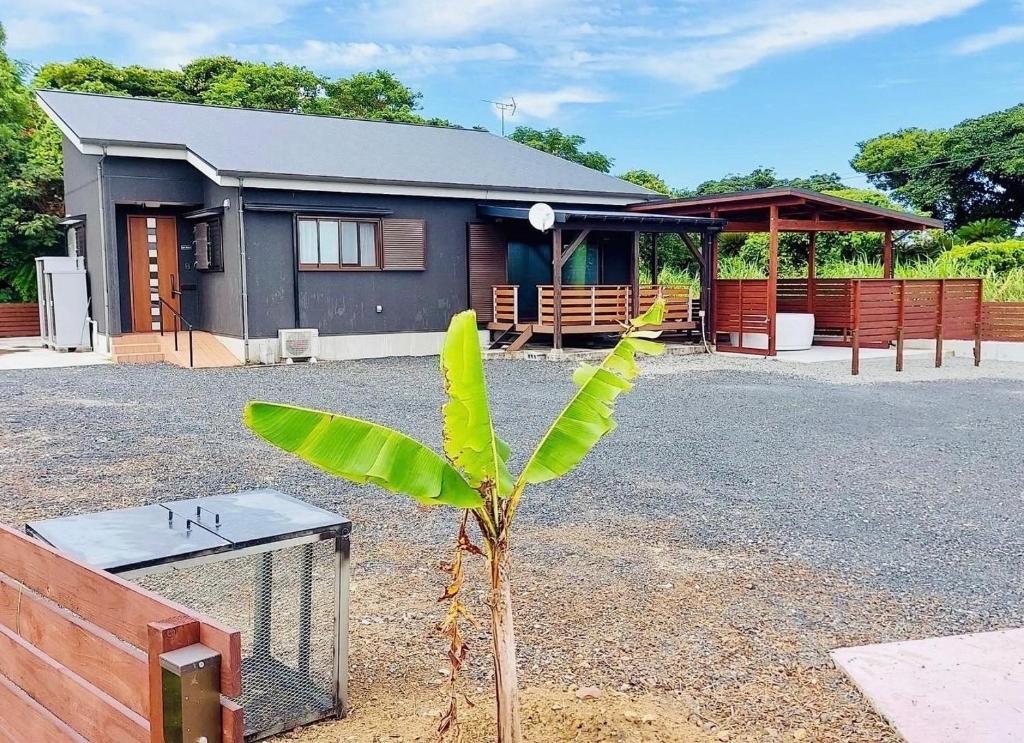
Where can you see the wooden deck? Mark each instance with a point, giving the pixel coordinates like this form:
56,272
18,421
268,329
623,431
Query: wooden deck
152,348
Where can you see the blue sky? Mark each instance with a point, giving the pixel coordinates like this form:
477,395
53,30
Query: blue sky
691,89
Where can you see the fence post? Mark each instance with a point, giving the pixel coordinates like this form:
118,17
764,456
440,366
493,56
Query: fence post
855,341
191,695
740,284
171,634
899,325
979,322
940,316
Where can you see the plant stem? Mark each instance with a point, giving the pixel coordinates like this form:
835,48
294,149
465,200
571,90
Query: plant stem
506,674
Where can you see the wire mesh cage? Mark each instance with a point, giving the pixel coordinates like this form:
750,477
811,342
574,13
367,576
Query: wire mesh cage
284,603
271,566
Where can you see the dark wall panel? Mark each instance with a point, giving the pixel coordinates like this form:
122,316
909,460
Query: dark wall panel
345,302
220,292
82,196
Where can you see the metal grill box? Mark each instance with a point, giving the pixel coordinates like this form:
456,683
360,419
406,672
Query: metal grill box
260,561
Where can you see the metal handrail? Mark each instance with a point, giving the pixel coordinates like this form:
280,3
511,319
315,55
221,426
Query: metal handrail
178,320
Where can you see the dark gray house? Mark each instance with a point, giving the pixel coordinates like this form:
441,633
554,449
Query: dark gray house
248,222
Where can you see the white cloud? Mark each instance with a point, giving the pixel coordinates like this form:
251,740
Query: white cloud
990,40
569,50
30,33
547,104
712,64
449,19
323,55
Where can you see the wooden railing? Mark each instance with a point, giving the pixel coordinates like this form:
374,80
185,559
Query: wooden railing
505,300
80,654
593,305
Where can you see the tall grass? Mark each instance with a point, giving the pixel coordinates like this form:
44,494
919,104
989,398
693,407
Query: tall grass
1006,286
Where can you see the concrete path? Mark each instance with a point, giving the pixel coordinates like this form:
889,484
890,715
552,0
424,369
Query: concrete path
959,689
824,354
30,353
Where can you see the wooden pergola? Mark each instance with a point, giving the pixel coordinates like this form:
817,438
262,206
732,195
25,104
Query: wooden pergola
778,210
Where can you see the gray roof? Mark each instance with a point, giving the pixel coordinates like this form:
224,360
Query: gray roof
246,142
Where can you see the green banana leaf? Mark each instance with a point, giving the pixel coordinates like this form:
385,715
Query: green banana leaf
469,439
588,416
362,452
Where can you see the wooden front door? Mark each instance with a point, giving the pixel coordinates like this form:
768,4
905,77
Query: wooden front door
153,265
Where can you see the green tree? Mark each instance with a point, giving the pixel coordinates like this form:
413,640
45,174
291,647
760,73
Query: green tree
760,178
30,184
92,75
278,87
971,171
647,179
201,73
473,476
565,146
372,95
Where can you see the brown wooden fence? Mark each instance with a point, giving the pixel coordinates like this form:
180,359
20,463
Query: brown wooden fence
869,313
741,310
19,319
80,651
1003,321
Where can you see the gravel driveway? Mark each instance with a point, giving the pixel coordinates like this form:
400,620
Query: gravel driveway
743,519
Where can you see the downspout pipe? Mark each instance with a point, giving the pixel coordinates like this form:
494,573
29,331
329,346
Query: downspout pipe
242,263
103,249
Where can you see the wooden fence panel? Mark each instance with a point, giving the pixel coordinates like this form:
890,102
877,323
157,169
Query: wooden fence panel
107,663
96,716
83,648
741,307
961,308
19,319
28,720
121,608
1003,321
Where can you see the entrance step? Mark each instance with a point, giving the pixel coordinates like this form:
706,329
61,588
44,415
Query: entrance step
137,348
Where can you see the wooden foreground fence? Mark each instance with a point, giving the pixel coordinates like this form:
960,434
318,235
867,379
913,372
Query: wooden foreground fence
19,319
87,656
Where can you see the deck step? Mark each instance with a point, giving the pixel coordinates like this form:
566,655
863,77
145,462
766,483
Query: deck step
138,358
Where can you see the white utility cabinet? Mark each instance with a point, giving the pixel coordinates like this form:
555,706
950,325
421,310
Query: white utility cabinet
63,303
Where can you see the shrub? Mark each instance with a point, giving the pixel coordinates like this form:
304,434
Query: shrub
983,257
982,230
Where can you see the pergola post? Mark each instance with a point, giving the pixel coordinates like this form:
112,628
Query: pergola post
887,254
709,246
634,277
556,287
812,248
654,259
773,273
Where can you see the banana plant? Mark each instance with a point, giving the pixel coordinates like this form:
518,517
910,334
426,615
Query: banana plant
472,475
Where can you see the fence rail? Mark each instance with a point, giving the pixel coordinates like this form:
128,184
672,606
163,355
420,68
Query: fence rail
19,319
80,651
1003,321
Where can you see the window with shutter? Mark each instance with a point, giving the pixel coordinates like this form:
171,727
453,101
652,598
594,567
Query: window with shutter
405,244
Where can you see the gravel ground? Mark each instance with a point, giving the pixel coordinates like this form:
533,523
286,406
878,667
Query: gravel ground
746,517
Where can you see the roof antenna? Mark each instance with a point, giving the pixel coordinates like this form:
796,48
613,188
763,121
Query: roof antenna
504,106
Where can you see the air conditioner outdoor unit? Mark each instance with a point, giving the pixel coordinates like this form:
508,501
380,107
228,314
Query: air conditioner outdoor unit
299,343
